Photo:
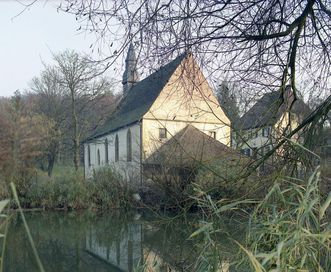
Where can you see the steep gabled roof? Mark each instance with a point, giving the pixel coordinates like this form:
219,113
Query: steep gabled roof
191,146
139,99
268,110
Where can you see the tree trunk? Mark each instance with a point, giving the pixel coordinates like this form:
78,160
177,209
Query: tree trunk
76,131
51,161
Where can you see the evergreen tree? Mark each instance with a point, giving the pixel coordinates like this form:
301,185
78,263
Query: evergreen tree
228,101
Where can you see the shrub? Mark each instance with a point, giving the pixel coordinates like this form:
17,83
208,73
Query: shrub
109,190
221,179
69,192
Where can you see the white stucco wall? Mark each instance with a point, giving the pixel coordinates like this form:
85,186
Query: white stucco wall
186,99
151,132
253,138
128,170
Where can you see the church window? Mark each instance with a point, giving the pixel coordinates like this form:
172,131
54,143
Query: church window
106,151
129,146
116,148
162,133
89,155
98,157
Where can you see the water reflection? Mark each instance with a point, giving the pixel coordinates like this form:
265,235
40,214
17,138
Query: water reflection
109,242
124,251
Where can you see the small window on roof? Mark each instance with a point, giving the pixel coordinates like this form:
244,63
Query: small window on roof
163,133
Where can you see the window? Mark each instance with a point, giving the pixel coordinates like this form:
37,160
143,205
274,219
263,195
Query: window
128,146
116,148
89,155
246,151
266,131
106,151
212,134
162,133
266,149
98,157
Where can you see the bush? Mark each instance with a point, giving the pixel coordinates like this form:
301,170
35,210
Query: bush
69,190
221,179
109,190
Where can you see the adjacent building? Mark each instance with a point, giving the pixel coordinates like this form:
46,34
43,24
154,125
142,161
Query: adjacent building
270,119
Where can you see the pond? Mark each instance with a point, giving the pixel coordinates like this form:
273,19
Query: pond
86,241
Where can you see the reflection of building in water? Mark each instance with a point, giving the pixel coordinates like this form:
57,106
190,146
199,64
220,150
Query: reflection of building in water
128,251
124,252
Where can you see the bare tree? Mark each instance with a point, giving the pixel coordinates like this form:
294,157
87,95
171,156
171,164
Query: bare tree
77,76
261,45
265,42
51,103
23,138
72,94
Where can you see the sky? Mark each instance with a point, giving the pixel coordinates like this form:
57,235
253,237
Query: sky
31,37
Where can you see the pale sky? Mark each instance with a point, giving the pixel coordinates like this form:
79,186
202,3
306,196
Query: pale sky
31,37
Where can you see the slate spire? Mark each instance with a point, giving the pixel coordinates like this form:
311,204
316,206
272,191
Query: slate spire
130,75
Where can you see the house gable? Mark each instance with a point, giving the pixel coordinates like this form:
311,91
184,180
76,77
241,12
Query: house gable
186,99
269,110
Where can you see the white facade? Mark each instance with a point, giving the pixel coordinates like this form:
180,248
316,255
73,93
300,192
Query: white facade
95,153
186,98
257,142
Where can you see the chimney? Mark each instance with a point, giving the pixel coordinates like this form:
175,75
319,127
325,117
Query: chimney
130,75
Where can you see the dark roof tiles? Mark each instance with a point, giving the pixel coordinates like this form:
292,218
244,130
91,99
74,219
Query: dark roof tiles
139,99
268,110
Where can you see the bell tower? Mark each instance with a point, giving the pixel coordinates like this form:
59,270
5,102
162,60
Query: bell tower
130,75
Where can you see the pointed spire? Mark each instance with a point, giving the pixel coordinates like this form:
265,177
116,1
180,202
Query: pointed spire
130,75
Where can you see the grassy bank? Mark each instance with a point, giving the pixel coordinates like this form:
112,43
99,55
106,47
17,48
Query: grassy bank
67,189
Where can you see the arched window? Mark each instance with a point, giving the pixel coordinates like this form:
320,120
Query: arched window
128,146
89,155
106,152
116,148
98,157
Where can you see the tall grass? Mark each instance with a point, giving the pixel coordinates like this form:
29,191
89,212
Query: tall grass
288,230
27,229
3,226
